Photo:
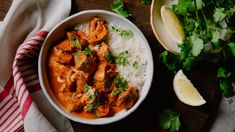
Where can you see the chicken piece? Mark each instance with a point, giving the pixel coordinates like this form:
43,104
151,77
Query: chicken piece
61,57
100,73
66,46
86,63
77,39
97,31
128,98
79,59
101,50
100,85
112,98
103,110
81,81
57,69
73,101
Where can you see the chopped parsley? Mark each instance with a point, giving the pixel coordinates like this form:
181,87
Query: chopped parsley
170,120
75,41
135,64
85,63
123,33
121,58
116,92
88,52
120,83
85,88
119,8
109,57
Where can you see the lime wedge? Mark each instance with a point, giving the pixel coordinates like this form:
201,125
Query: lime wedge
172,24
185,90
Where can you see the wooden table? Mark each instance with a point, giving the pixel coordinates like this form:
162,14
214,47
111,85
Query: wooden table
161,95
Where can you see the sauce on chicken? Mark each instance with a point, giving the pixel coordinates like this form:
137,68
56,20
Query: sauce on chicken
83,75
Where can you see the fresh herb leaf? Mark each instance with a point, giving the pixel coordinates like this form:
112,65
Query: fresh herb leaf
109,57
170,61
85,63
197,45
226,87
224,83
145,1
121,58
118,7
75,41
88,52
183,6
115,92
85,88
169,120
92,106
232,48
73,38
193,7
123,33
135,64
215,36
120,83
223,73
219,14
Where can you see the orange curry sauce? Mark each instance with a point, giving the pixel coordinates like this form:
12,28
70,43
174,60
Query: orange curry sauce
82,73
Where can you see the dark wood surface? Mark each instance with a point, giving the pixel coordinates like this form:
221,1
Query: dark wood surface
161,95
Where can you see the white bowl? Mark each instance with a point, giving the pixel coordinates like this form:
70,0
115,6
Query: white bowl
59,31
158,26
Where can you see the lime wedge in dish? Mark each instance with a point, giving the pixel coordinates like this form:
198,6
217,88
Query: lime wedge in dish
172,24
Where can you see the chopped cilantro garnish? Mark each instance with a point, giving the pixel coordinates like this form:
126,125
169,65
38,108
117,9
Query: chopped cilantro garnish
121,58
135,64
109,57
75,41
85,63
88,52
116,92
85,88
123,33
120,83
73,38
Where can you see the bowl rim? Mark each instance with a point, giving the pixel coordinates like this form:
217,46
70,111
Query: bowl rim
108,120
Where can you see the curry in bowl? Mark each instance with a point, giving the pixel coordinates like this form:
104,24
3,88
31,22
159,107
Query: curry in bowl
93,72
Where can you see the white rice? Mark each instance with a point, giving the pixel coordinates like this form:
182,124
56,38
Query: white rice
117,44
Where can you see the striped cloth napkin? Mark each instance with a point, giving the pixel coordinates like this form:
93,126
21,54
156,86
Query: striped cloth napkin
22,103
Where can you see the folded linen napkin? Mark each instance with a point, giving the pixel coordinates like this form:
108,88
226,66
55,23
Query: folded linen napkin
22,103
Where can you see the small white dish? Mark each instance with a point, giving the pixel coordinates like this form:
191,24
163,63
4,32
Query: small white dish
59,31
158,26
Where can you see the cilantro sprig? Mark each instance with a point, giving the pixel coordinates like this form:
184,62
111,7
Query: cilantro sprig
170,120
203,23
119,8
225,86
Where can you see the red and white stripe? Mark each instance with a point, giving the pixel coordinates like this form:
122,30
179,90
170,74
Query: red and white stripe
15,98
